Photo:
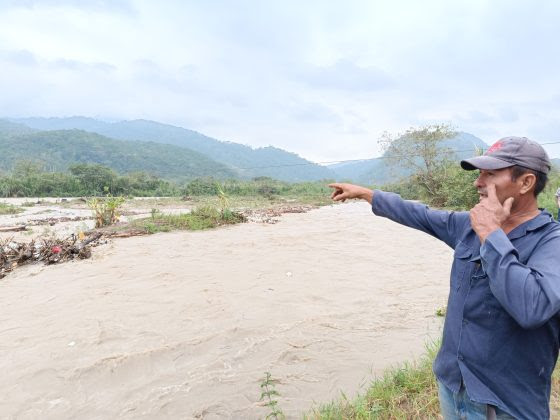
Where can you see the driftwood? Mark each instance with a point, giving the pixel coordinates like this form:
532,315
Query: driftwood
49,251
12,228
51,221
125,233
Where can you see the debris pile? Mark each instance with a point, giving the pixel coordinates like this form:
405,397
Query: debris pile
49,250
271,215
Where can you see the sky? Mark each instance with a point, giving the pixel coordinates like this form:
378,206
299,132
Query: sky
323,79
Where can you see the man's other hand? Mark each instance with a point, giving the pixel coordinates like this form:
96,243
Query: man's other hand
343,192
489,215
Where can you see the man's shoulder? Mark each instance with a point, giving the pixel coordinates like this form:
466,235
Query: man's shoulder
550,230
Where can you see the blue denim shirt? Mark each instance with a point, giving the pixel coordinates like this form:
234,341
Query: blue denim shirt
501,331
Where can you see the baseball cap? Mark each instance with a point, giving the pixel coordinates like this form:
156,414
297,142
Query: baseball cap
511,151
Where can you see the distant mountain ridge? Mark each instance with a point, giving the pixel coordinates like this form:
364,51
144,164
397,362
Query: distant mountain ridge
178,153
377,172
8,128
56,150
245,161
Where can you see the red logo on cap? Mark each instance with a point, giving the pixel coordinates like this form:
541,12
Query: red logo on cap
496,146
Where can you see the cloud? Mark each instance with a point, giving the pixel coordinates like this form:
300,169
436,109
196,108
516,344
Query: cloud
345,75
121,6
320,78
23,58
79,66
314,113
19,57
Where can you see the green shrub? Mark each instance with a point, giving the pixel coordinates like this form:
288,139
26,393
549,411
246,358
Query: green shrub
9,209
105,209
547,198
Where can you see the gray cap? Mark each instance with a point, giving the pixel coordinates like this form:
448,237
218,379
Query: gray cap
511,151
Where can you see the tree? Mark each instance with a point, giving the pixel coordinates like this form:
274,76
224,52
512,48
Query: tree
94,178
420,151
26,178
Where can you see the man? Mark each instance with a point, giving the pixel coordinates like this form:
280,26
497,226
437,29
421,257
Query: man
501,332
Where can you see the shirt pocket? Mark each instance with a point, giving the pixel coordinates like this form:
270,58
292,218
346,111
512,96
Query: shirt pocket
492,307
461,265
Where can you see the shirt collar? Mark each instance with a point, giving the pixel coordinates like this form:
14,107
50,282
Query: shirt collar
543,218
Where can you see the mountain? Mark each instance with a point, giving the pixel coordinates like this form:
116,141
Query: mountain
59,149
244,160
378,172
8,128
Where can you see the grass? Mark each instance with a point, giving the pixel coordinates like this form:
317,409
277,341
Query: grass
204,217
408,391
28,204
404,392
9,209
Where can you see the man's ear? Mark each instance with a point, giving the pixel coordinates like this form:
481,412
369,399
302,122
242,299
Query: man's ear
527,182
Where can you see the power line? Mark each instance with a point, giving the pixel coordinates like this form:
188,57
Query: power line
364,160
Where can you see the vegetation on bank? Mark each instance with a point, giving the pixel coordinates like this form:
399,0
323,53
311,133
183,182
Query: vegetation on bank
9,209
407,391
28,179
435,180
200,218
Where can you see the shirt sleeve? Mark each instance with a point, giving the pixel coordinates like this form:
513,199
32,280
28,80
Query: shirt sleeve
529,293
444,225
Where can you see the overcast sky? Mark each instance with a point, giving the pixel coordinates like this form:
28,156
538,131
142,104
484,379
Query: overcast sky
323,79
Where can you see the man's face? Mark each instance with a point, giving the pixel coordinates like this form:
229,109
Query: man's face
501,178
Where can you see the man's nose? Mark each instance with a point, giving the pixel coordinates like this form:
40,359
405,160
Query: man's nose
478,182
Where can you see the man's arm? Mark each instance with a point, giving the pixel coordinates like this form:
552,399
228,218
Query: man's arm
529,293
443,225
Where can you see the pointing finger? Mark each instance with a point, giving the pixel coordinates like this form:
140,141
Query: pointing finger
491,191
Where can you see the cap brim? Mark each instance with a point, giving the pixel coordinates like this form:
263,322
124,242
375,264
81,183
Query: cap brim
485,162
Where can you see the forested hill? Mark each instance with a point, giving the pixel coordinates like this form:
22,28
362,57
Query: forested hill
248,162
8,128
56,150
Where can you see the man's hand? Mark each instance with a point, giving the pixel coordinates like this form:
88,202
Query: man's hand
489,215
343,192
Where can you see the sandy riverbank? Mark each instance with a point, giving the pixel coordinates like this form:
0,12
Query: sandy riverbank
184,325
